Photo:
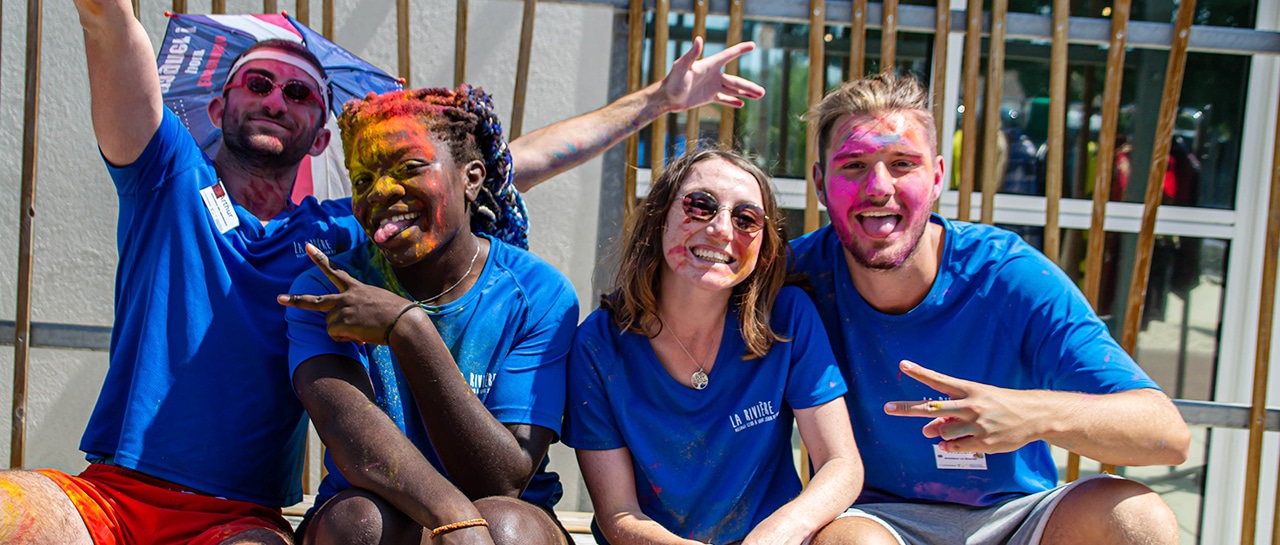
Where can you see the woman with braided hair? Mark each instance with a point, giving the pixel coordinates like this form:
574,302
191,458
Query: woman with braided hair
432,358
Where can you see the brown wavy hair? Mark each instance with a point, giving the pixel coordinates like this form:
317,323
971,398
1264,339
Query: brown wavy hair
633,304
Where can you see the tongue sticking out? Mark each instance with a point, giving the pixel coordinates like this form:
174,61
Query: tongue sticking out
391,229
879,226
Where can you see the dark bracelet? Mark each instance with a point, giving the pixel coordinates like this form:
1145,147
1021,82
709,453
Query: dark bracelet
387,337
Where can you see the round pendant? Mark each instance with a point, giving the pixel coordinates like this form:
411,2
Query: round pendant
699,380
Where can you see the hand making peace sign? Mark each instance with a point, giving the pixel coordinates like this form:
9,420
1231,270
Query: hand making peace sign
358,312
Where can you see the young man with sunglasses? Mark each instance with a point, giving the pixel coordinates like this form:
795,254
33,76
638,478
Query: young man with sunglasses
197,434
967,354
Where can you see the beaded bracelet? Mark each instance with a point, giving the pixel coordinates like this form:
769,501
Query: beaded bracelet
458,526
386,338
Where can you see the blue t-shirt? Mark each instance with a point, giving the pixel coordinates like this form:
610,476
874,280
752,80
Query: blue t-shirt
709,464
198,390
509,334
999,313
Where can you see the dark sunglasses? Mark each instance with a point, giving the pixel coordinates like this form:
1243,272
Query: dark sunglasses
293,89
702,206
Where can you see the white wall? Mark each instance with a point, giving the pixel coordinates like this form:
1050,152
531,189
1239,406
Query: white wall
74,249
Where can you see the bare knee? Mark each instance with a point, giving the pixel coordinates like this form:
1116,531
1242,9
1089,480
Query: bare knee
33,509
854,531
358,517
1112,511
512,521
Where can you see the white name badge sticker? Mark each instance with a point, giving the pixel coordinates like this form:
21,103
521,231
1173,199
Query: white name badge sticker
959,460
220,207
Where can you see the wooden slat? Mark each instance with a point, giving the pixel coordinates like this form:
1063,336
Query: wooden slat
941,35
402,42
889,36
734,36
270,6
179,6
219,7
26,235
460,43
137,10
817,59
1106,148
969,123
326,19
635,51
1262,355
658,69
692,119
1138,281
522,68
304,11
991,176
858,39
1105,158
1057,130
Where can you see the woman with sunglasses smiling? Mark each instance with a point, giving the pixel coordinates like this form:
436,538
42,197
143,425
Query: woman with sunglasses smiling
683,385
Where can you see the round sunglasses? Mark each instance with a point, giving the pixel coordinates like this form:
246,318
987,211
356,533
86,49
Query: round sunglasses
293,89
702,206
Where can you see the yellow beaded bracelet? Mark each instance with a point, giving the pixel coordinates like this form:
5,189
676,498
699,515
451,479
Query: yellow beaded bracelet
458,526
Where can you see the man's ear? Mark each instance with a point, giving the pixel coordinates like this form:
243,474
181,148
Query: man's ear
939,177
819,184
216,108
475,173
321,142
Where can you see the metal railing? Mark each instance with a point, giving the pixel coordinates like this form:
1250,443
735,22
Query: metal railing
997,26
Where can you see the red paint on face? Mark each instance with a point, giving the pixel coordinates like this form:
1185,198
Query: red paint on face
270,126
879,183
407,192
712,255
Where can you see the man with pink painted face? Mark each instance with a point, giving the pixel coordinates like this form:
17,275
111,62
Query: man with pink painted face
967,353
197,435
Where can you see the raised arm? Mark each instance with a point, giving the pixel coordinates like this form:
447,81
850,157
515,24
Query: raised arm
611,483
1130,428
553,149
123,83
827,434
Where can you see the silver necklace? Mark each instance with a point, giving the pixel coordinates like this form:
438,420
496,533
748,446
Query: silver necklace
699,377
446,291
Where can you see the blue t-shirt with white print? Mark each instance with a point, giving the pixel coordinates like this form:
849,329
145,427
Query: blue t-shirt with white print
198,390
998,313
709,464
509,334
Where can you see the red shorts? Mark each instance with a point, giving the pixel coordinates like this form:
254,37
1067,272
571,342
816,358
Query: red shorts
124,507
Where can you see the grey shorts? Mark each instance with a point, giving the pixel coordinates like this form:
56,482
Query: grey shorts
1019,521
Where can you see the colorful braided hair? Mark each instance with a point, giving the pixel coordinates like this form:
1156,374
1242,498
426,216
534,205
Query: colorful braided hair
463,118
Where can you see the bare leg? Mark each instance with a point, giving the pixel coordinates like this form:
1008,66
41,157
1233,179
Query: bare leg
33,510
854,531
1111,511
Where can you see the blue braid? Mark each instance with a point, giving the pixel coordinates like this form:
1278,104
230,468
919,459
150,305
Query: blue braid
499,209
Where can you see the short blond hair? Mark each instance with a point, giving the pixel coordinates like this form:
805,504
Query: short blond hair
877,94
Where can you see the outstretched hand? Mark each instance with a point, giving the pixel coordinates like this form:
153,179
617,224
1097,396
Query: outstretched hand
357,313
693,82
977,417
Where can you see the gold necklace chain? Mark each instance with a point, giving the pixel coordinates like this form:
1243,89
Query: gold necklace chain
446,291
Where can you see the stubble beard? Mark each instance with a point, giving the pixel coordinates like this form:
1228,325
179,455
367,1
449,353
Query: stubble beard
880,258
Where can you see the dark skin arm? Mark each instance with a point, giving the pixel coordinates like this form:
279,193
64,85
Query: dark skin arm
370,450
484,457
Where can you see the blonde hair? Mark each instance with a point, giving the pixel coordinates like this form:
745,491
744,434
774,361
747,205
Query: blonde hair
881,93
